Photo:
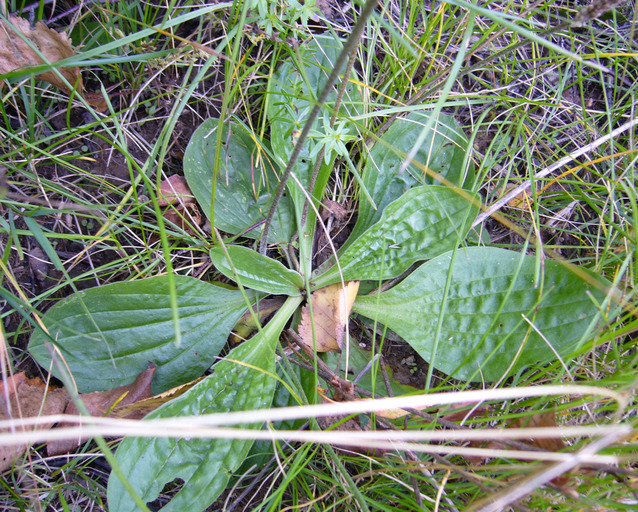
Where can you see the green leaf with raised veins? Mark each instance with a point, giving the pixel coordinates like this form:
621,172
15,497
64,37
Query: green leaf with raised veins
244,187
443,151
262,450
423,223
483,329
205,465
107,335
256,271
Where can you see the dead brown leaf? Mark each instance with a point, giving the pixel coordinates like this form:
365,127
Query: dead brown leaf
331,308
180,202
100,403
54,46
538,420
464,411
519,201
31,398
175,190
556,444
27,398
141,408
333,208
96,100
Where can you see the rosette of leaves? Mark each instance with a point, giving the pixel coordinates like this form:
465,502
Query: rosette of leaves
472,312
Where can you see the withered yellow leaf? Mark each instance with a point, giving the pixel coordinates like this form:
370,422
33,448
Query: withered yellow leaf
331,307
323,316
54,46
344,299
141,408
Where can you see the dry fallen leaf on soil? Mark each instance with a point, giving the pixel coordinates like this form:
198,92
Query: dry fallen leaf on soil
519,201
556,444
460,413
333,208
99,403
175,190
177,196
138,410
538,420
54,46
27,398
331,308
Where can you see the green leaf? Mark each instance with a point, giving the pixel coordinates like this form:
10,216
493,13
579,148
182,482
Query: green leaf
482,328
262,450
443,151
423,223
256,271
205,465
107,335
243,189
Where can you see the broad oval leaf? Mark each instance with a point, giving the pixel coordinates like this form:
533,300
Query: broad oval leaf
244,187
423,223
107,335
442,151
257,271
244,380
262,450
483,331
205,465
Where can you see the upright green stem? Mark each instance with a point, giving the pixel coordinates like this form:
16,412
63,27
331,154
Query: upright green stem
348,47
425,93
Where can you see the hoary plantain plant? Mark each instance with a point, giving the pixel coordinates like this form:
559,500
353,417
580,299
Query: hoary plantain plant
471,312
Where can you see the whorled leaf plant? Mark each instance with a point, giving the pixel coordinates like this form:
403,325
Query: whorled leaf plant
471,312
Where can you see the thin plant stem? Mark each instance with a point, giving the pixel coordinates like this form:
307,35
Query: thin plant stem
425,93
